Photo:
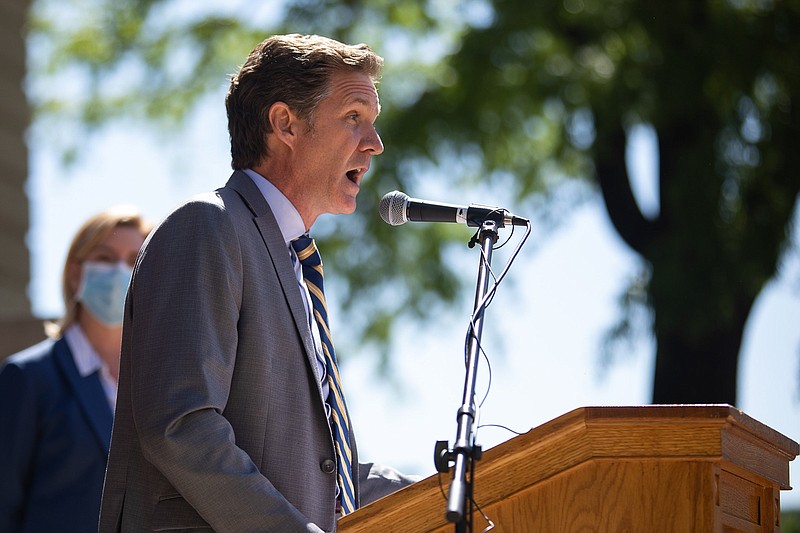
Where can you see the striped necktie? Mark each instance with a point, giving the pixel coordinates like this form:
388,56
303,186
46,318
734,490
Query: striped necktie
311,263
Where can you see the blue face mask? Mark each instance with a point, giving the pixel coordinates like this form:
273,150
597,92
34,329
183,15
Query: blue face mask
102,290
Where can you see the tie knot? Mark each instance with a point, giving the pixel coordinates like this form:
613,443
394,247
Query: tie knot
306,251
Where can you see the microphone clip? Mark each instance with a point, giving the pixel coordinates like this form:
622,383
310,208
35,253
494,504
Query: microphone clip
487,225
443,456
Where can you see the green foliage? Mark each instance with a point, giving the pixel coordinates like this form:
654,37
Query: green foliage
790,521
531,95
138,62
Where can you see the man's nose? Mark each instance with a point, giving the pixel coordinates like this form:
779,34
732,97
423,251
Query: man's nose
372,142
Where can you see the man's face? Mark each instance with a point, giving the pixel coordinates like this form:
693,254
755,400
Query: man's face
333,157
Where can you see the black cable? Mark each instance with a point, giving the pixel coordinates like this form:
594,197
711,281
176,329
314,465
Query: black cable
479,309
501,426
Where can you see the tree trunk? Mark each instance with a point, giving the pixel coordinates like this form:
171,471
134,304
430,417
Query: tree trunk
700,368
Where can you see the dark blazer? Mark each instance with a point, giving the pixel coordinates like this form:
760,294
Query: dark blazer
220,417
55,428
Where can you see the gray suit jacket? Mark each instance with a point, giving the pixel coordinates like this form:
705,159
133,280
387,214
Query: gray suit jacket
220,420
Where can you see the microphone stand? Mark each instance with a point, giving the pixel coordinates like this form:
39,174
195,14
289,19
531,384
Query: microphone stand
465,452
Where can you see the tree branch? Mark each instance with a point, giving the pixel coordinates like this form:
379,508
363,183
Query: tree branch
612,177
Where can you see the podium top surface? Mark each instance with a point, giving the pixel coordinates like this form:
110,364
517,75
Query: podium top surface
709,431
675,414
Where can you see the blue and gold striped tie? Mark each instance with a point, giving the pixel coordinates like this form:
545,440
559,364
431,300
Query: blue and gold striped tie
311,262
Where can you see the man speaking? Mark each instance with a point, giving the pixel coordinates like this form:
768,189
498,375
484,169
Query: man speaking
231,413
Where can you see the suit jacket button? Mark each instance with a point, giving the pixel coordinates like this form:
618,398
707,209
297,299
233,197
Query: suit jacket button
328,466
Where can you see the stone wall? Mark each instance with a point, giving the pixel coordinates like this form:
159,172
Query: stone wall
18,328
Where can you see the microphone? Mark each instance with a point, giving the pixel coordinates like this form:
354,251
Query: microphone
397,208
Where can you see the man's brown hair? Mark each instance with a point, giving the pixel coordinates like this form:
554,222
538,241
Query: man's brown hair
294,69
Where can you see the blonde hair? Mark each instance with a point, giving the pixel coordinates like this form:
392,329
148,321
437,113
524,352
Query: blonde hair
90,235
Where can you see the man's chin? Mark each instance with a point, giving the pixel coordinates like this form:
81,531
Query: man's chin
347,205
348,209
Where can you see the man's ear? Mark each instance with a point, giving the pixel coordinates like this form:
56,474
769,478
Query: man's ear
284,123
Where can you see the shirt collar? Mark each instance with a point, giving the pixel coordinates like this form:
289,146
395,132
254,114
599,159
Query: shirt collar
88,361
86,358
289,220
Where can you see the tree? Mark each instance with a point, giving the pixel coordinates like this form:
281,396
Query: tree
536,95
715,82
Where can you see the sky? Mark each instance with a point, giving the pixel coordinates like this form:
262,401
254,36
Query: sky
542,333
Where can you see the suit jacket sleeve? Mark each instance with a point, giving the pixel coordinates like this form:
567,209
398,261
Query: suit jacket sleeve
377,480
17,418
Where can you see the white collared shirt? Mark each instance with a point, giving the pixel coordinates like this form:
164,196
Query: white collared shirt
292,226
88,361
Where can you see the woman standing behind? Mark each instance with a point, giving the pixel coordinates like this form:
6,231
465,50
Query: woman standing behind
57,397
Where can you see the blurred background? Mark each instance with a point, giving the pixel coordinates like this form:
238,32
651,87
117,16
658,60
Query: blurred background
653,147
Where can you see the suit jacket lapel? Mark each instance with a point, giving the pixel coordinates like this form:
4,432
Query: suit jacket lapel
279,254
89,392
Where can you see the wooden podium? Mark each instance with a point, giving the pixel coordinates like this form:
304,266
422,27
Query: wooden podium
651,469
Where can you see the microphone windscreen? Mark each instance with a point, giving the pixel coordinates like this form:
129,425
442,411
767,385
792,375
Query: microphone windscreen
393,208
